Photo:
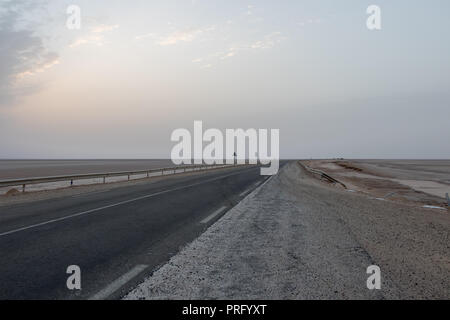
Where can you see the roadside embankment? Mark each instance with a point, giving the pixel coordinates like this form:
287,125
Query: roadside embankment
413,182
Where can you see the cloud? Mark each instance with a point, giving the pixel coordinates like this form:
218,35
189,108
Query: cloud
232,37
177,37
95,36
50,60
94,39
22,52
230,54
144,36
104,28
184,36
269,41
174,38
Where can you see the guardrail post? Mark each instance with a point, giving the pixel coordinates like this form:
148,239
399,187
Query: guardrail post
104,179
148,174
23,188
128,177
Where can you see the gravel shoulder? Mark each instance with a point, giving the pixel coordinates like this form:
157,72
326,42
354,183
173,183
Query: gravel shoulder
298,238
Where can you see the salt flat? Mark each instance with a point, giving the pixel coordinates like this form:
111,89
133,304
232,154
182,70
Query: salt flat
433,170
16,169
421,181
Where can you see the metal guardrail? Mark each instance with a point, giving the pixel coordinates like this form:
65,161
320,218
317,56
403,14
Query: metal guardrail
322,174
72,178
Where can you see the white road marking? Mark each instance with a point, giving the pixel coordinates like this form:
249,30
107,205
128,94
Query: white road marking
116,204
220,210
213,215
434,207
115,285
247,191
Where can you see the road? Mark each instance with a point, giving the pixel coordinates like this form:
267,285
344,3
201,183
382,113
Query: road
117,237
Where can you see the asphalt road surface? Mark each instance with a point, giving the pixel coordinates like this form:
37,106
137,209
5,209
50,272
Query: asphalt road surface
117,237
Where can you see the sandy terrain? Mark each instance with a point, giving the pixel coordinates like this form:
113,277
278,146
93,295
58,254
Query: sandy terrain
424,182
296,237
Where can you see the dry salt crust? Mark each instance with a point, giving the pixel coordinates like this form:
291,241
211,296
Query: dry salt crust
298,238
429,177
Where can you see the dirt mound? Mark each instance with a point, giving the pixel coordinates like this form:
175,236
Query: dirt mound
348,166
12,192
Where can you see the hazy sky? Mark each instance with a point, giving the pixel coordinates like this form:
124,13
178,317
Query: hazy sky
137,70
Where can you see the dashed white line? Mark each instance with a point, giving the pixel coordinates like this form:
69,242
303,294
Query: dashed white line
115,285
116,204
213,215
433,207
